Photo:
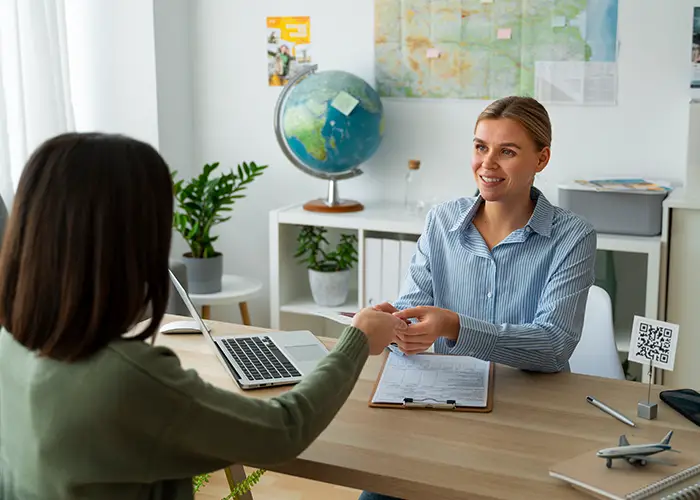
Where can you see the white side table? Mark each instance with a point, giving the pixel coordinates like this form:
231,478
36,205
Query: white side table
233,289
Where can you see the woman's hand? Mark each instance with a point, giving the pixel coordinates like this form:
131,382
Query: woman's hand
385,307
432,323
388,308
381,328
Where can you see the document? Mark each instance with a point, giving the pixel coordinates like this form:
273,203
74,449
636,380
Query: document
344,318
433,378
576,82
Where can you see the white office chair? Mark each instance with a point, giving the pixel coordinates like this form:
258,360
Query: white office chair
596,353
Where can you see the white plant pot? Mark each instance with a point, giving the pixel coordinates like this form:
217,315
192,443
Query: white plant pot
329,289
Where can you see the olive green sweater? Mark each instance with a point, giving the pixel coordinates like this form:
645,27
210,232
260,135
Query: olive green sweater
130,423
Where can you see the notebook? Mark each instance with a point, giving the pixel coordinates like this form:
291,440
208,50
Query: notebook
434,381
624,481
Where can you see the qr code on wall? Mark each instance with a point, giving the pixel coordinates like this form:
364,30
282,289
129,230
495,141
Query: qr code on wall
653,342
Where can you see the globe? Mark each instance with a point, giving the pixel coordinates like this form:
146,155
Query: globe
328,124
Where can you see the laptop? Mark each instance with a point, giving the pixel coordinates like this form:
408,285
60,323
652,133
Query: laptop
261,359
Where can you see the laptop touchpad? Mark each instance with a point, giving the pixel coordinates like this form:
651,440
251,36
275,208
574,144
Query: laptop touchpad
305,353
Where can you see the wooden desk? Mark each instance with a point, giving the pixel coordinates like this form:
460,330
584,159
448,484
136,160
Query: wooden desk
538,419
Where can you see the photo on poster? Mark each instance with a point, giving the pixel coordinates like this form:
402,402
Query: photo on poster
695,51
288,48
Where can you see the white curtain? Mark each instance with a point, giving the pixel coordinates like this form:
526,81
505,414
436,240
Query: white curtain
35,100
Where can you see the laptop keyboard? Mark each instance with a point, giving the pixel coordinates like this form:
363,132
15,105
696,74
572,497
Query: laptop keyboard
259,358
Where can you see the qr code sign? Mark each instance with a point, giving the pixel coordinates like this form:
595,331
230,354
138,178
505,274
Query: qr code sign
653,342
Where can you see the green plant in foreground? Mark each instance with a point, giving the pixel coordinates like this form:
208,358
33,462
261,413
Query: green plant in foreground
198,482
203,201
313,250
238,490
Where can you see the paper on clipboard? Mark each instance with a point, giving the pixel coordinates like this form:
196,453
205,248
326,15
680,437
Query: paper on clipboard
432,378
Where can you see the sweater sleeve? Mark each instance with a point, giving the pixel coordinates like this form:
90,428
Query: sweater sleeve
217,428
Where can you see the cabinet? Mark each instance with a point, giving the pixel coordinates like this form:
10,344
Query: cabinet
383,231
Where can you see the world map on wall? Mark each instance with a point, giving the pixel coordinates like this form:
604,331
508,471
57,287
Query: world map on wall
486,49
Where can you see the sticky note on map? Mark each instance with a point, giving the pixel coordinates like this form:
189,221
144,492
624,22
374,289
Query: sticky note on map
344,103
433,53
558,22
504,33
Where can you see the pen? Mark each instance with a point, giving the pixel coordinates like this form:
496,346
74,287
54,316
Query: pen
610,411
450,404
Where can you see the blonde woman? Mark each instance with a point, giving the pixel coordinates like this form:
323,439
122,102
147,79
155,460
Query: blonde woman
503,276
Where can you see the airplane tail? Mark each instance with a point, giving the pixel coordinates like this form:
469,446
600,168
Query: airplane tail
667,439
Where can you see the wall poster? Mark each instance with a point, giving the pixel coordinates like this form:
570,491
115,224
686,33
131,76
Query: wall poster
695,51
288,48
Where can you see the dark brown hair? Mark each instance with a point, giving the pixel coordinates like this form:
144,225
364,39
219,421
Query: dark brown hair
531,115
86,248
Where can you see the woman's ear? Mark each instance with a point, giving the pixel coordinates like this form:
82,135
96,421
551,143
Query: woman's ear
543,159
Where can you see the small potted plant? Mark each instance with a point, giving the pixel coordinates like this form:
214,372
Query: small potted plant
329,270
202,203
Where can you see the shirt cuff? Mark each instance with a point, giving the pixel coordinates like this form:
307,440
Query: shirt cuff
476,338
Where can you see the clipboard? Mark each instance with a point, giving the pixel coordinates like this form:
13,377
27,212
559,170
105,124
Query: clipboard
430,403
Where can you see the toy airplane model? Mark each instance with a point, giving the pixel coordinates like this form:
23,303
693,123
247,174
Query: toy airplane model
637,454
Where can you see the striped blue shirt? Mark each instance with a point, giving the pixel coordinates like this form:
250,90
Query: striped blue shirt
520,304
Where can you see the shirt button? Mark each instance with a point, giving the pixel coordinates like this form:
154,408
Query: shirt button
528,229
489,295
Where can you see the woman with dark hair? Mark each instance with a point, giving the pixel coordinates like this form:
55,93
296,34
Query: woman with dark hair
89,410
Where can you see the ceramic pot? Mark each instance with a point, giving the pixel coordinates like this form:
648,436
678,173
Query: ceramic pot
204,275
329,289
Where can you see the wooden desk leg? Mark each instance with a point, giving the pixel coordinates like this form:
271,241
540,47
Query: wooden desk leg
236,474
245,315
206,312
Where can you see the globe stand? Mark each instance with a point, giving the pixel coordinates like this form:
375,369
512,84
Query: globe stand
333,204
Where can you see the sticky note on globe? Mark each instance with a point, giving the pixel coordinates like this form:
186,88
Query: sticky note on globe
344,103
558,22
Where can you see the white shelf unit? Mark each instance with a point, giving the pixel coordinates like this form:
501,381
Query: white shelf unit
291,305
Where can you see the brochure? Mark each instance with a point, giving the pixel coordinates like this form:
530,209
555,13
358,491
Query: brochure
626,185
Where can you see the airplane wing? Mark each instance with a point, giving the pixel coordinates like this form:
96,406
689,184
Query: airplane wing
623,441
649,459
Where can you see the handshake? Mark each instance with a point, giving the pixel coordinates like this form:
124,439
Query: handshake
384,324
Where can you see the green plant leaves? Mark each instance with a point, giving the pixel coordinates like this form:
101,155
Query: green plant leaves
314,254
202,201
238,490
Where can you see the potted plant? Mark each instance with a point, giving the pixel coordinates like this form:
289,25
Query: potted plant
202,203
329,270
239,489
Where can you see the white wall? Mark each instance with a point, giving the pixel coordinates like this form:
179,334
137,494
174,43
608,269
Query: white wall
174,82
131,73
645,134
173,64
112,66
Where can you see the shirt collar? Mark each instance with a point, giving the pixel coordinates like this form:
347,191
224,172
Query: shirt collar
540,220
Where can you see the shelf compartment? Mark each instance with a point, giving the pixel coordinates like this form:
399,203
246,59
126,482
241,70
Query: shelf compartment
307,306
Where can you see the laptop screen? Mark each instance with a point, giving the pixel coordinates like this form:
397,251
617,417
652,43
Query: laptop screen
190,306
